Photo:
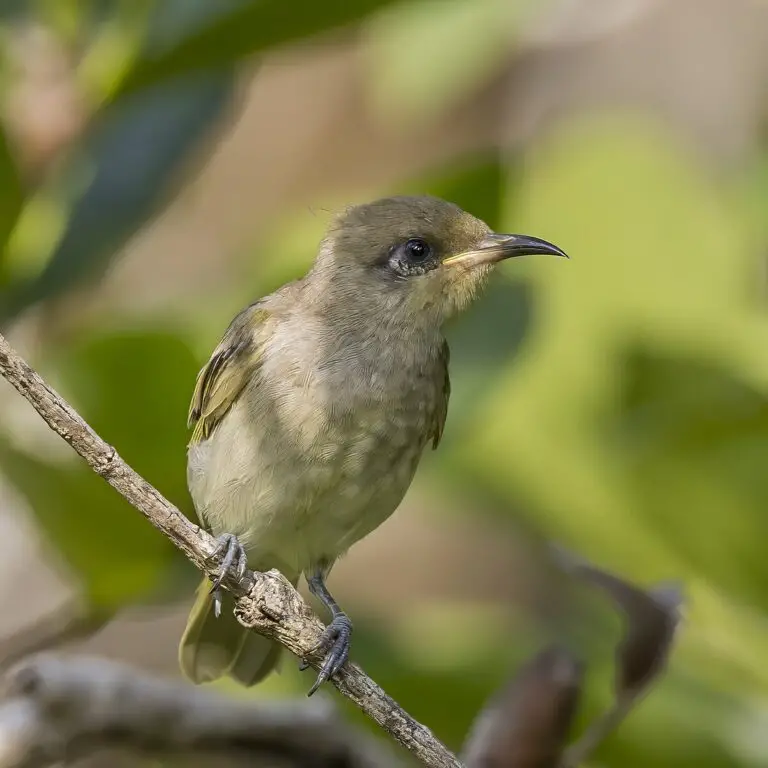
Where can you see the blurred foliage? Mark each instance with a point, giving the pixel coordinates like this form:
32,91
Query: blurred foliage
426,56
617,403
250,26
96,531
132,155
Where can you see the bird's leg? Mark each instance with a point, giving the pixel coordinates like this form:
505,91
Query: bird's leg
336,636
233,557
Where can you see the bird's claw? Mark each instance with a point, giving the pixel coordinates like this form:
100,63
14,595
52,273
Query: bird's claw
233,557
336,639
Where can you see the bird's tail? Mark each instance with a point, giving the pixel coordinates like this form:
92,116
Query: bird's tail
212,647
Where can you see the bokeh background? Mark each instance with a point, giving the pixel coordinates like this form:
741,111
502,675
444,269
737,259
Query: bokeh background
164,162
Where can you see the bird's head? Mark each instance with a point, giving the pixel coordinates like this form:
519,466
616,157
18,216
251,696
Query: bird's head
412,260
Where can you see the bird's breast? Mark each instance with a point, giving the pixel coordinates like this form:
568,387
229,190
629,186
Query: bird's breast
308,462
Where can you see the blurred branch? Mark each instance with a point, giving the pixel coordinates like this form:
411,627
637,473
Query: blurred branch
651,619
526,724
57,709
67,623
265,602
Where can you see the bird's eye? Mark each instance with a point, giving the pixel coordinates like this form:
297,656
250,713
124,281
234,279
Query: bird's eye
417,251
411,258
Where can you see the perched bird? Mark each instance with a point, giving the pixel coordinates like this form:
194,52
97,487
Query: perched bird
313,411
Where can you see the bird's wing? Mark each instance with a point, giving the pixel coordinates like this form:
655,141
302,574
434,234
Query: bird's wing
443,395
234,361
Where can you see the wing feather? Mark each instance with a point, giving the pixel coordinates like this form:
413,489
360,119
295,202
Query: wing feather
233,363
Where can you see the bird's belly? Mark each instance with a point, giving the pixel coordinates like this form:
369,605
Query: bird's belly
293,505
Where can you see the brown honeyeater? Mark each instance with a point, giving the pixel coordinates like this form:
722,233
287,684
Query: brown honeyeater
313,411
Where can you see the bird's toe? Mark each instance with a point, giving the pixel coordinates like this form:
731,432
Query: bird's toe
336,640
234,561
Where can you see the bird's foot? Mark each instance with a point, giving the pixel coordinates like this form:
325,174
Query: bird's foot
336,641
234,559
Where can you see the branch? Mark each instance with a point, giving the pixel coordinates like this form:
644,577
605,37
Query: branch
58,709
265,602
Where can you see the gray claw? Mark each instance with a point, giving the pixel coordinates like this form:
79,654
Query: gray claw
335,637
234,556
242,566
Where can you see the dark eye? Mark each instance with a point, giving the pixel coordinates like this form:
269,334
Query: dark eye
411,258
417,250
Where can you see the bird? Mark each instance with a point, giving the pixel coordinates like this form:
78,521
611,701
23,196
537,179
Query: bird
311,415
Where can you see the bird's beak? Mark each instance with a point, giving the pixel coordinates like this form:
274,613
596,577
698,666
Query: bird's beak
495,248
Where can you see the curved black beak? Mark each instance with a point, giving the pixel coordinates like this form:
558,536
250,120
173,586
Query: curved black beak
496,247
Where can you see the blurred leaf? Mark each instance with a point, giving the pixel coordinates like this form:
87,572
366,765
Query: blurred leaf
479,354
137,150
14,9
426,56
173,21
526,723
693,437
477,183
11,198
246,29
117,556
132,389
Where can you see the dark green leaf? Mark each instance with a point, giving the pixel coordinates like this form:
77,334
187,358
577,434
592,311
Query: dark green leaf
116,555
477,182
248,28
138,150
14,9
11,199
694,437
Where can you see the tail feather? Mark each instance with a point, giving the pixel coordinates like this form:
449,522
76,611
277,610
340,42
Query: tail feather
211,647
253,663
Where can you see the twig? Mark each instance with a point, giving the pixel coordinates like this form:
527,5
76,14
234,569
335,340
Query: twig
57,709
265,602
